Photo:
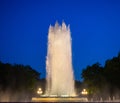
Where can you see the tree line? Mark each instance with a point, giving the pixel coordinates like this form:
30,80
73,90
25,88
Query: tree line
103,81
20,83
17,82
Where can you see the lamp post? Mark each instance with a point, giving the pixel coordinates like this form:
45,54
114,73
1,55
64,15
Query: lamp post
84,92
39,91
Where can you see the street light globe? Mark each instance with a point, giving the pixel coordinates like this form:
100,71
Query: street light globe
39,91
84,92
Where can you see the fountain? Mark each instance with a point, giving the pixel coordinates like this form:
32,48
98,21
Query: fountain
60,79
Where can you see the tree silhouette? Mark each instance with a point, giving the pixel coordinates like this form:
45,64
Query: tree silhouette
100,79
18,78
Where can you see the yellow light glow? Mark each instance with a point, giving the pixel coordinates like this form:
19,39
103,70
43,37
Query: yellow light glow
84,92
39,91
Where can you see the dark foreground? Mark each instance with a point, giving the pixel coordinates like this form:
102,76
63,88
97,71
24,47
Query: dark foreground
62,102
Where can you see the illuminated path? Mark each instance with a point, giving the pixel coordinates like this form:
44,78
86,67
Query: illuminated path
69,99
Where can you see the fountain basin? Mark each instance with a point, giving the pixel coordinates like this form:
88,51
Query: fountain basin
59,99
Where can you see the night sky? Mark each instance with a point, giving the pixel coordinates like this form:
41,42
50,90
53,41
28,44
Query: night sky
94,24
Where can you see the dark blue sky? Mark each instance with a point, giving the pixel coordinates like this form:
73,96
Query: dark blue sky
94,24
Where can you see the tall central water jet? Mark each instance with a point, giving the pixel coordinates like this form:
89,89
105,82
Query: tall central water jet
60,79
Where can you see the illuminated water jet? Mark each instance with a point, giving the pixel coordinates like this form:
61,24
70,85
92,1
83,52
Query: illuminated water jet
60,79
